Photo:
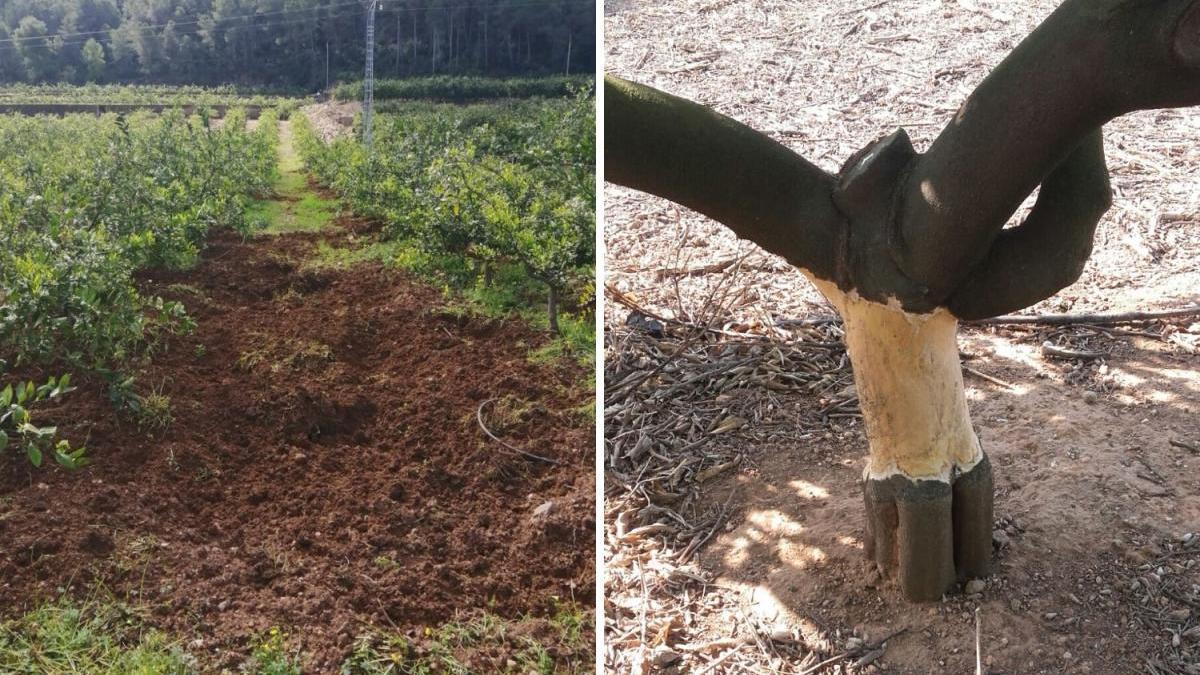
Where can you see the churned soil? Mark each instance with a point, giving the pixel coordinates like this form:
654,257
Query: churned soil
323,469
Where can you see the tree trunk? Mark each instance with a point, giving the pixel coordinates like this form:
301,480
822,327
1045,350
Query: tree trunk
927,483
552,308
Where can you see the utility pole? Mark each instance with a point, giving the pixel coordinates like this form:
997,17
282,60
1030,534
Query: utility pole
570,39
369,79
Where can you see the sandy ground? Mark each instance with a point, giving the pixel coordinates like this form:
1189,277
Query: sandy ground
331,118
1096,459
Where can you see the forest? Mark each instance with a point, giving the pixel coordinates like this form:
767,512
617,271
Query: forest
288,45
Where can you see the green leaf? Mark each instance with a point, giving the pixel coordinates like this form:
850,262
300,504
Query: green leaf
34,453
3,441
70,459
6,396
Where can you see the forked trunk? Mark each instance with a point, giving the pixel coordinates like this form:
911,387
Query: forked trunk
902,243
927,484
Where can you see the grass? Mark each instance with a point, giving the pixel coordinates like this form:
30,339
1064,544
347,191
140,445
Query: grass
102,636
95,637
512,293
486,644
296,207
328,256
154,412
285,354
273,656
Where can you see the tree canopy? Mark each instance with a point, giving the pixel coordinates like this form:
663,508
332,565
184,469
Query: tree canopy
284,43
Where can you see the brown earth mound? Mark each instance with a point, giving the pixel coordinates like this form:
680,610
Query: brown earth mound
324,468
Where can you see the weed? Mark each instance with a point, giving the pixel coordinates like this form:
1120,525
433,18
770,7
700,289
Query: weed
502,643
136,554
576,340
335,257
16,423
510,411
188,290
286,354
99,636
154,411
387,562
272,656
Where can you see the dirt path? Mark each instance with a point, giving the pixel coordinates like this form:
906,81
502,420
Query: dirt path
321,468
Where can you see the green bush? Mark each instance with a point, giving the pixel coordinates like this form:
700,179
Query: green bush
476,187
89,201
141,94
461,89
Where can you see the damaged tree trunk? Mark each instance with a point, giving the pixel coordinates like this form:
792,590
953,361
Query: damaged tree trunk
927,484
904,245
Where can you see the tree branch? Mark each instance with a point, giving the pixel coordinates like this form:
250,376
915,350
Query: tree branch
1090,61
685,152
1047,252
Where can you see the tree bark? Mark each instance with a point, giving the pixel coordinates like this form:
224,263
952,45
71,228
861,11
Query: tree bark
1087,63
673,148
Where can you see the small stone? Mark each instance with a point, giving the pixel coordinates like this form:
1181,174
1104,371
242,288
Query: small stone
1050,616
853,644
542,511
1090,397
1000,539
223,605
1014,604
975,586
1066,656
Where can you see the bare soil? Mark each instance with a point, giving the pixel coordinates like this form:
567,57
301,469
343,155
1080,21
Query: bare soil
332,119
324,470
734,517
